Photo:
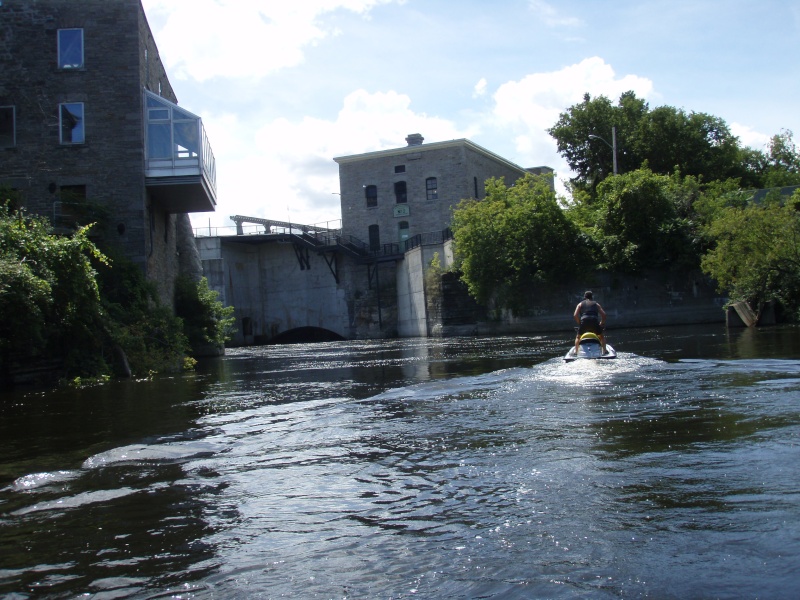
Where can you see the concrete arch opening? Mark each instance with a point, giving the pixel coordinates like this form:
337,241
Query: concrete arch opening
305,335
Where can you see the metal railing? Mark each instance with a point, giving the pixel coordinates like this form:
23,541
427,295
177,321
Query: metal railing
321,235
431,238
322,229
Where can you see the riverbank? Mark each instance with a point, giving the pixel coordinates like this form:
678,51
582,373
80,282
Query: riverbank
650,300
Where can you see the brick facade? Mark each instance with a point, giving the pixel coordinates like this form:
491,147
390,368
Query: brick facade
120,60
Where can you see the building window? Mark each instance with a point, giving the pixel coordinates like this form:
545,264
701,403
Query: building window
72,193
475,183
7,129
70,48
431,188
402,231
70,117
374,238
400,169
159,129
70,208
371,193
400,192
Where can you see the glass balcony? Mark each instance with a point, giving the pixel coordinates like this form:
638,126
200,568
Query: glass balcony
180,171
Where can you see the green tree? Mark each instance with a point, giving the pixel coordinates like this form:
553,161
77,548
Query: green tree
754,164
512,240
141,332
640,220
635,221
783,161
207,321
693,143
662,139
60,297
756,252
49,297
577,131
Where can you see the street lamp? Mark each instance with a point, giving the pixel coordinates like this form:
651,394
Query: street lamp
613,145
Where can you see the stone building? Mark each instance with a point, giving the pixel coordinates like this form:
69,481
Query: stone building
89,125
392,195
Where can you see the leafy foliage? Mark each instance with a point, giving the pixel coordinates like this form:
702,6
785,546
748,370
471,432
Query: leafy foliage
48,292
756,256
584,137
638,222
664,139
680,173
148,334
61,297
782,166
514,239
206,319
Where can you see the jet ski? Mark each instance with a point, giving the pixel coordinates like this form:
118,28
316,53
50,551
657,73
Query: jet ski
590,347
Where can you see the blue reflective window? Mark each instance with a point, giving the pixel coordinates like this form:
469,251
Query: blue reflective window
187,139
159,144
70,48
71,123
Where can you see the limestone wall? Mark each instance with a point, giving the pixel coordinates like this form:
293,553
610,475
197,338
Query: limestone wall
272,294
647,300
411,309
106,169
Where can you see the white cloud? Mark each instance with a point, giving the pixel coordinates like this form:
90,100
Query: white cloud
480,88
203,39
551,17
750,137
537,99
527,108
284,170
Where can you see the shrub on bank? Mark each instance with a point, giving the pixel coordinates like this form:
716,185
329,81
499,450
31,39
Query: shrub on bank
63,300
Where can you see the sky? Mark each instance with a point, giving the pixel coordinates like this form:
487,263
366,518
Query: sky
285,87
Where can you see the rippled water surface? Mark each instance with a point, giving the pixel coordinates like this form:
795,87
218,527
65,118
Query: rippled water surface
456,468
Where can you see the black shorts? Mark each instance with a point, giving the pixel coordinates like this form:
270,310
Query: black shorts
590,325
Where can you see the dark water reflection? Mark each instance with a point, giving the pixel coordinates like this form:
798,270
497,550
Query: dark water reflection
461,468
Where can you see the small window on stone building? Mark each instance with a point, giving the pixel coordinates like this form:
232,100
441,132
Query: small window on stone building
371,193
71,126
402,231
431,188
374,238
475,183
70,48
70,209
72,193
400,169
400,194
7,127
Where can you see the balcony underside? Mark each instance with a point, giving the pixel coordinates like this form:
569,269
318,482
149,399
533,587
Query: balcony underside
182,194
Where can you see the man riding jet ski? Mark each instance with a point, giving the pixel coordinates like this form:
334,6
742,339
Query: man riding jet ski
590,317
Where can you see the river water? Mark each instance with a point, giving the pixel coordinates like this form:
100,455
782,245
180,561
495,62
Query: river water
428,468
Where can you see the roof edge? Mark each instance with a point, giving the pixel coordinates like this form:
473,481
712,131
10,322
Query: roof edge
430,146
